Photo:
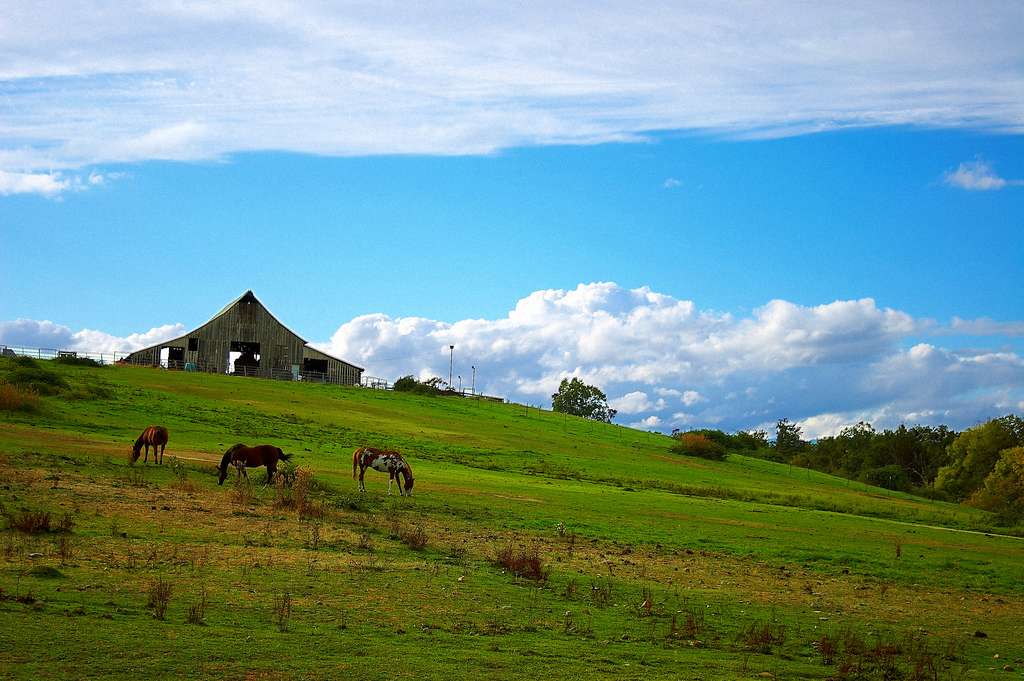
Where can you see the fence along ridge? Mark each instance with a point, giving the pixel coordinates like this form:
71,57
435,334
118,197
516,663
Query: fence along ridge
119,357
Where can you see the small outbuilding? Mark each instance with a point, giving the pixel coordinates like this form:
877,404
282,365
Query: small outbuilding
246,339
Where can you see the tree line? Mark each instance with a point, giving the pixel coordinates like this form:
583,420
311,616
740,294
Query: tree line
982,466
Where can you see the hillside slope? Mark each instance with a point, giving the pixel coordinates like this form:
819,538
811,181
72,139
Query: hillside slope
655,560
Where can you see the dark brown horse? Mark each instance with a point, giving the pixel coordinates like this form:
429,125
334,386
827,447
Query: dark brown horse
243,457
153,436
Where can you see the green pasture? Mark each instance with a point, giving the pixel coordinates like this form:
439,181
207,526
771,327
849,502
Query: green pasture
636,543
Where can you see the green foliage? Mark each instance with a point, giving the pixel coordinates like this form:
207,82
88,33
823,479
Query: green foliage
409,384
1003,489
35,377
77,361
579,399
974,453
697,443
889,477
787,439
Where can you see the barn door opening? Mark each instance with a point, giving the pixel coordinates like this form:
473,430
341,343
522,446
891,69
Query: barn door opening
244,358
175,358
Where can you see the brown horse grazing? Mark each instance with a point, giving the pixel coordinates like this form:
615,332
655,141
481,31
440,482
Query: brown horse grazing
391,463
153,436
242,457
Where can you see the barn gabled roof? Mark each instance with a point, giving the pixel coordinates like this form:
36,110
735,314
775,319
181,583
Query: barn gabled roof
250,297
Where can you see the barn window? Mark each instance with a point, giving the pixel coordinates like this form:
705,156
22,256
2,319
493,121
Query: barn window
193,344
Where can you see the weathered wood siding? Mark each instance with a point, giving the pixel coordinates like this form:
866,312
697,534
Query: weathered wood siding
337,370
246,320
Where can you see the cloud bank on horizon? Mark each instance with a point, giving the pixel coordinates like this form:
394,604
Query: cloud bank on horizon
666,364
99,83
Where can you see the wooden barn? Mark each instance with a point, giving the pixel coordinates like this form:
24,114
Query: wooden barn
245,339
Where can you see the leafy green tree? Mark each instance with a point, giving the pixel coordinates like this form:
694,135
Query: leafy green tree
974,453
1003,489
579,399
787,439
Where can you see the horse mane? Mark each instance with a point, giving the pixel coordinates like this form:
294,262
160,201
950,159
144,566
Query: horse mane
282,455
227,455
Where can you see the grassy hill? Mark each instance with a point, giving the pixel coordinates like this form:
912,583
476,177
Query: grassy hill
656,565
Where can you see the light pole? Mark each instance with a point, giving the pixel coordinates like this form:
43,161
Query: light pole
460,383
473,388
451,360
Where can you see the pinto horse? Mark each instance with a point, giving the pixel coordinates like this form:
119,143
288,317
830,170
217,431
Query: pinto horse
241,457
391,463
155,437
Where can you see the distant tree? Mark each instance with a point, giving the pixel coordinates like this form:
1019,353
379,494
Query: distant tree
579,399
974,453
431,386
1003,489
751,439
787,439
696,443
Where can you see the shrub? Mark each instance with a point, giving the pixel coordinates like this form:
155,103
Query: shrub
282,611
77,361
159,597
30,522
197,611
409,384
38,379
17,398
522,562
698,444
761,636
415,539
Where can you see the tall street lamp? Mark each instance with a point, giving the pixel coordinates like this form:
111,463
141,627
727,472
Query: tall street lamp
451,360
473,388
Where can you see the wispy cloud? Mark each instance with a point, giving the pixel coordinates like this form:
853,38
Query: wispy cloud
671,183
977,176
80,90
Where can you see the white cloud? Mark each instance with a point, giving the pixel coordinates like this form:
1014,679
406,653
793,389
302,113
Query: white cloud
649,423
47,184
671,183
654,353
977,176
692,397
32,333
635,403
343,79
666,363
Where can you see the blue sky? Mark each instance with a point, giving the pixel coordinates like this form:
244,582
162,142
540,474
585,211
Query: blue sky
382,181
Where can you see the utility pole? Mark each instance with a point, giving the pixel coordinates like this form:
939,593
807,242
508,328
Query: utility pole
473,388
460,383
451,361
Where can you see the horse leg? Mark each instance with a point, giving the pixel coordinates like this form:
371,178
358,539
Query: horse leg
391,479
362,485
146,460
162,448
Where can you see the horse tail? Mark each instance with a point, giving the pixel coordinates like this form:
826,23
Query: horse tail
281,455
355,461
